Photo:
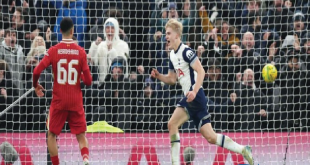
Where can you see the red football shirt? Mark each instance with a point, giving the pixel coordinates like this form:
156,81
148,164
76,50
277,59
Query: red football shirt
68,61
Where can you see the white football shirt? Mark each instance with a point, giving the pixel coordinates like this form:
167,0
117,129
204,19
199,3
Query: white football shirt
181,61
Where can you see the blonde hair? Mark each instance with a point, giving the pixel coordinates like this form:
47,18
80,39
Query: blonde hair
34,44
175,25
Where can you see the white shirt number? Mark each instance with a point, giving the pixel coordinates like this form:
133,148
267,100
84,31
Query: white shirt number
63,76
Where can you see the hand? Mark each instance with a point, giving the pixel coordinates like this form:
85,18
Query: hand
25,4
32,61
98,40
109,45
133,76
272,52
155,73
122,32
233,97
238,77
266,36
296,43
3,92
202,8
34,34
12,5
48,35
263,113
190,96
157,35
141,69
39,90
214,31
89,59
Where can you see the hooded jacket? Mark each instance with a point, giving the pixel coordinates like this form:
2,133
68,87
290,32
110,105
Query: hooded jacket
104,57
15,59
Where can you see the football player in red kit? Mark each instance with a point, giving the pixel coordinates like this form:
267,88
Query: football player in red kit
69,63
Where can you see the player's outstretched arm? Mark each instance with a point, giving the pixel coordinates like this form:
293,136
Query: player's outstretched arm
170,78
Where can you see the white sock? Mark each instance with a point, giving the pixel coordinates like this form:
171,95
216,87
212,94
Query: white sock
175,149
228,143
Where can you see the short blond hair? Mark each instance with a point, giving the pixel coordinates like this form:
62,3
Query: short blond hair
175,25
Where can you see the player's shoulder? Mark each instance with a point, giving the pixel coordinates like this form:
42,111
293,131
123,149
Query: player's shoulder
187,52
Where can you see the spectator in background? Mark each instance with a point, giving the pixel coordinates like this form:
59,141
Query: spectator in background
114,104
215,83
254,26
8,94
113,47
76,11
96,31
159,20
19,19
292,80
13,54
149,114
250,105
38,47
6,10
44,31
306,50
248,41
299,28
278,18
222,34
241,60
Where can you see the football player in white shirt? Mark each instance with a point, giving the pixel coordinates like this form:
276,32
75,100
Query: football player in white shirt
186,68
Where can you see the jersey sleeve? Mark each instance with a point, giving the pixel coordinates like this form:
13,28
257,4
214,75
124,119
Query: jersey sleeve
171,67
189,56
46,61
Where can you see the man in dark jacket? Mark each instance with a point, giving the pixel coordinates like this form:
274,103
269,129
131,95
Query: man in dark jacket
114,95
250,105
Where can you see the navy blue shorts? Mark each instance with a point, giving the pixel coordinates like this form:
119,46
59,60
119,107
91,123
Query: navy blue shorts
197,109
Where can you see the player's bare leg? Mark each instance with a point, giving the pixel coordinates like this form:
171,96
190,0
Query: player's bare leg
52,148
178,117
225,142
83,144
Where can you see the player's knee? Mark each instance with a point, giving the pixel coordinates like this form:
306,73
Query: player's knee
80,136
172,126
210,139
51,134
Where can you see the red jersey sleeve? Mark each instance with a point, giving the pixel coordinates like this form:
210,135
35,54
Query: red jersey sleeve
86,76
46,61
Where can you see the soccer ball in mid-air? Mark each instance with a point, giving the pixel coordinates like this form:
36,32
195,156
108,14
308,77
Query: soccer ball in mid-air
269,73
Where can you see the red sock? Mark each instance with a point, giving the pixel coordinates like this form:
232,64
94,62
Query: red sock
55,160
84,152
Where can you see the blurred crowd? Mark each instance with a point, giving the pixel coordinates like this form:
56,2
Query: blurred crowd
234,40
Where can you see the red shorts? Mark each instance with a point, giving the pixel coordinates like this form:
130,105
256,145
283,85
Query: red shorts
57,119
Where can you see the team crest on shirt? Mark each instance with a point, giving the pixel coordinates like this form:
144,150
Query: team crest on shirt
190,54
179,73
